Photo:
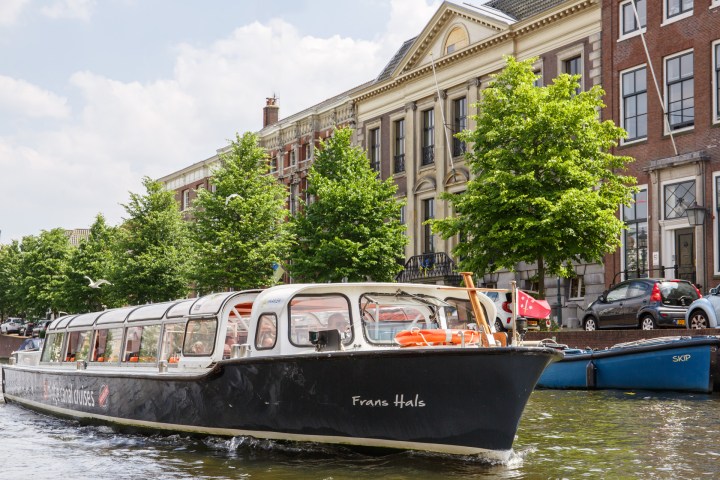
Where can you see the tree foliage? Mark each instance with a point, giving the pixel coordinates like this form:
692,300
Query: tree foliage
10,293
545,187
352,230
240,231
151,256
93,258
42,270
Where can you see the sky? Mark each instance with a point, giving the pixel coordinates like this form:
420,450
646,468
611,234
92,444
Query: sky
97,94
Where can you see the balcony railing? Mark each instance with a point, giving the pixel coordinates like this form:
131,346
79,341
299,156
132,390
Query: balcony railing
399,163
430,267
428,155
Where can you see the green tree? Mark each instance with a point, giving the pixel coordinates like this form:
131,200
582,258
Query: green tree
93,259
352,230
42,271
9,283
151,254
545,188
240,231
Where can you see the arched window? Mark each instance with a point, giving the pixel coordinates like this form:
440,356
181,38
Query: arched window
456,40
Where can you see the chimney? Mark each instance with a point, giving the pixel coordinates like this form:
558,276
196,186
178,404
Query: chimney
270,111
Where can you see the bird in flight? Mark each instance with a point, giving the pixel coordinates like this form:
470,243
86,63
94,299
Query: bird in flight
97,284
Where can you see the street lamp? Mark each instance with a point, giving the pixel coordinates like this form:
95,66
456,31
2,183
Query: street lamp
695,214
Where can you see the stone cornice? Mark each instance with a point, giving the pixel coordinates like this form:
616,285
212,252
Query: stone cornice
511,34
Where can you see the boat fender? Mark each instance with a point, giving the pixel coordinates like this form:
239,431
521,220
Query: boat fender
590,375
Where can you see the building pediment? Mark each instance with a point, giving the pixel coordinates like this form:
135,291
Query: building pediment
455,28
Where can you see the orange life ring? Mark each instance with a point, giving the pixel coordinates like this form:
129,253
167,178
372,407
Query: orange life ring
426,338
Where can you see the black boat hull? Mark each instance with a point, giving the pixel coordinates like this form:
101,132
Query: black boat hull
450,400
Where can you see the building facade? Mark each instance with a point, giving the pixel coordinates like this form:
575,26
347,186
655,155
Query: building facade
406,117
661,70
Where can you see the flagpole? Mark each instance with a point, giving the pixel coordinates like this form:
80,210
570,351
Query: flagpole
514,312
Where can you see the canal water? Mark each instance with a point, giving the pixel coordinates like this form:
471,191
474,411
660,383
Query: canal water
563,434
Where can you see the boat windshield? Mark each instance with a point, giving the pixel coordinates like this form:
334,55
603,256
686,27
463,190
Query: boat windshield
200,337
384,315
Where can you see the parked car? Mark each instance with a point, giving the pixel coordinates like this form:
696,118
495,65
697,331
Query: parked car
27,328
40,329
645,303
503,305
704,312
11,325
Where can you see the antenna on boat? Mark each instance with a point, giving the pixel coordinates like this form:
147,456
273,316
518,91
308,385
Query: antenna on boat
442,116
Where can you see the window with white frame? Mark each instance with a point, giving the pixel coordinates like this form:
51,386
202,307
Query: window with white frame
185,199
680,91
634,103
573,66
428,137
674,8
428,213
678,196
577,287
459,124
374,149
635,236
399,157
632,17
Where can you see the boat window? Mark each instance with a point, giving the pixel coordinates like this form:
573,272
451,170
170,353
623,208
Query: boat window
53,348
236,333
310,313
383,316
141,344
172,342
460,314
266,335
200,337
108,344
78,346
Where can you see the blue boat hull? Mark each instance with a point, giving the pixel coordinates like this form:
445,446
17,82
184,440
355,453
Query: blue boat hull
685,364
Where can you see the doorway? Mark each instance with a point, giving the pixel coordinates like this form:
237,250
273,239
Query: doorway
685,254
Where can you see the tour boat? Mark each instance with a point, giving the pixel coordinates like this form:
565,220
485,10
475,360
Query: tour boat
682,364
388,365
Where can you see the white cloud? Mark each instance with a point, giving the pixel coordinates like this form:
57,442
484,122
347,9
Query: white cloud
10,11
119,131
24,99
78,9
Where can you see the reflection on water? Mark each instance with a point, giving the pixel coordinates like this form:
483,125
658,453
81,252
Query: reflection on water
562,435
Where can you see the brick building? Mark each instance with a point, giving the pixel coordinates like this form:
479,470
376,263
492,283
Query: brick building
661,73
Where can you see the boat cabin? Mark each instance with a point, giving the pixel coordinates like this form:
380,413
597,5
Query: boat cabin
282,320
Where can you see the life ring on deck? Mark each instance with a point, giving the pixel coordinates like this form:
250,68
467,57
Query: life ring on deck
426,338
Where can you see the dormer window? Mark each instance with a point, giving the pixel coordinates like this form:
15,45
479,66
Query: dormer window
456,40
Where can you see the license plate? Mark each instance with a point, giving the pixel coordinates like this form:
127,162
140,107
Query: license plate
681,322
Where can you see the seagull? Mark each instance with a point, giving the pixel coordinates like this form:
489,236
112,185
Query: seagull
97,284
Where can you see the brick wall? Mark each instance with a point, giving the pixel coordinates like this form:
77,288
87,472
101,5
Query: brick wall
607,338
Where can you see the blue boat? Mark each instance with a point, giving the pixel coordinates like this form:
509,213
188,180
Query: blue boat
684,364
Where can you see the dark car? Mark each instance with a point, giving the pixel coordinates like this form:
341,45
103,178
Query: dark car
27,328
40,329
646,303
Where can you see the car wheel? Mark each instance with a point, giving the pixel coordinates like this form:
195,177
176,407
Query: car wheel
499,326
590,324
698,319
647,323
